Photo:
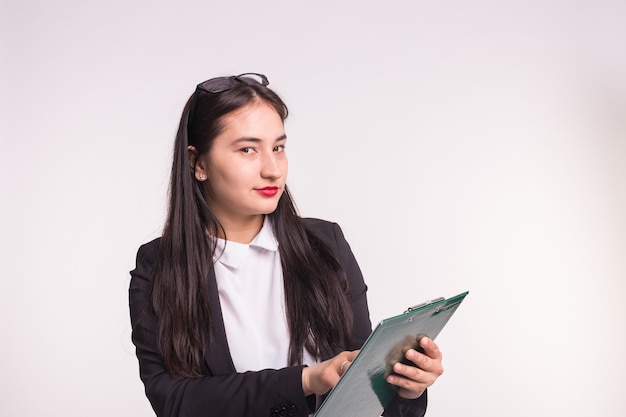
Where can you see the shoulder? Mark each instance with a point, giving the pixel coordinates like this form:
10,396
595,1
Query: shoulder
321,228
328,232
147,257
314,224
148,252
142,278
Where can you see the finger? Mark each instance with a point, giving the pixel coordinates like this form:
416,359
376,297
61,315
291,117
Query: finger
351,355
348,358
407,388
411,379
417,359
430,348
412,373
424,362
342,368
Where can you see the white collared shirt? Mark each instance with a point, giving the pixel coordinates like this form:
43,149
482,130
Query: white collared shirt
250,285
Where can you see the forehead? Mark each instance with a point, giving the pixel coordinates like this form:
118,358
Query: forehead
258,119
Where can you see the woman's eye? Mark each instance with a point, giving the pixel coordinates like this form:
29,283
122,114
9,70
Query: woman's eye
279,148
247,150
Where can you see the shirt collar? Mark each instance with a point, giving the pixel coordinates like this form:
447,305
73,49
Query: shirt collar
234,254
265,239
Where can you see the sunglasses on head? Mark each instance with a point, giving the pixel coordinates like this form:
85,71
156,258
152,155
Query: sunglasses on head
221,84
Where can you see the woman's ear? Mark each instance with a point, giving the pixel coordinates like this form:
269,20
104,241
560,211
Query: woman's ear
196,164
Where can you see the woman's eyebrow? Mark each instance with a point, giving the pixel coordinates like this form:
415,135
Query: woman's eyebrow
256,140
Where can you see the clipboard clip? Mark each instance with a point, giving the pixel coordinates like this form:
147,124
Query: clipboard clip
424,304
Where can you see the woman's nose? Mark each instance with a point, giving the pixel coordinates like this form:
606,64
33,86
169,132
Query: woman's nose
271,167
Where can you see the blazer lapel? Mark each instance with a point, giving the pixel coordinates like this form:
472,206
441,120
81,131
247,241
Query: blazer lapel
216,352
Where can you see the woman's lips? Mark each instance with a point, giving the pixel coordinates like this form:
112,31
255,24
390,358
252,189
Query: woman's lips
268,191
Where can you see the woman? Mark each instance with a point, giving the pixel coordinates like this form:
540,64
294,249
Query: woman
242,308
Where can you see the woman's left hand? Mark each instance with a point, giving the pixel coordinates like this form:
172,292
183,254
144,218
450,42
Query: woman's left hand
412,381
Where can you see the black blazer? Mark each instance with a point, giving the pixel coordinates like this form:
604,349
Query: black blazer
221,391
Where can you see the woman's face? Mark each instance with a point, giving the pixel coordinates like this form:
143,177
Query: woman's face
246,166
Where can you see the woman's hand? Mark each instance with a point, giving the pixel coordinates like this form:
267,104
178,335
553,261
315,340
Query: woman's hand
319,379
413,380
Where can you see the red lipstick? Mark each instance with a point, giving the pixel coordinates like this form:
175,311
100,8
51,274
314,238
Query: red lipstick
268,191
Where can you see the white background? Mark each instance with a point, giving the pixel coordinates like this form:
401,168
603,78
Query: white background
461,145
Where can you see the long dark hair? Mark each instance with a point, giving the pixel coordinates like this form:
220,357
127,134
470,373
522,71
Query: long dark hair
318,312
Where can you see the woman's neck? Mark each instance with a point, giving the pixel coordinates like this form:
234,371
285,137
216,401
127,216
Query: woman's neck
242,230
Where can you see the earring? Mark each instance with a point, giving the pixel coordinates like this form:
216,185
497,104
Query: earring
201,177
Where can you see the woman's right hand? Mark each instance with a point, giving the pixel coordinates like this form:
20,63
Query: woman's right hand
319,379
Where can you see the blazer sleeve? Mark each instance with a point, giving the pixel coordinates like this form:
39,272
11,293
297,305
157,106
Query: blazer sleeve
262,393
399,407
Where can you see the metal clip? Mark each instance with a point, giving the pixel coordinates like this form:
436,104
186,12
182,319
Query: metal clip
424,304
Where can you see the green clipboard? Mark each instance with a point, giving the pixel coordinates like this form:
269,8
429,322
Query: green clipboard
362,390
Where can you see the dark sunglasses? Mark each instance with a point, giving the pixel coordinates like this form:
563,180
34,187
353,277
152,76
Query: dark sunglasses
220,84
